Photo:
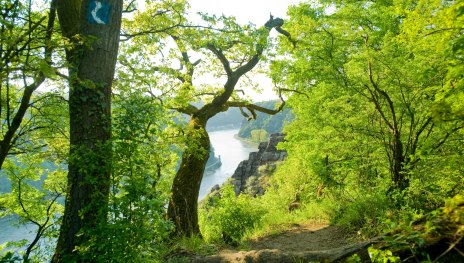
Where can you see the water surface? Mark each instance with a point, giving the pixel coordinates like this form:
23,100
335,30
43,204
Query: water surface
231,150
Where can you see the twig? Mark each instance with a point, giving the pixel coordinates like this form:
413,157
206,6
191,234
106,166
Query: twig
449,249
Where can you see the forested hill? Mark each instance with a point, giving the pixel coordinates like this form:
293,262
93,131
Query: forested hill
230,119
265,124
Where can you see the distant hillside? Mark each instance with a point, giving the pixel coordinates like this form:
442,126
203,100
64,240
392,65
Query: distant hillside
230,119
259,130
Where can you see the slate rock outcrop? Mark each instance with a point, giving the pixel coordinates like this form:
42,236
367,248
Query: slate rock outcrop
250,174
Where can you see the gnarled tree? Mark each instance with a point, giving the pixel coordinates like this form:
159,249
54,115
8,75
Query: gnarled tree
223,51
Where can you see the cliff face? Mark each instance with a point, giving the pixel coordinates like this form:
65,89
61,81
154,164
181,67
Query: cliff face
250,175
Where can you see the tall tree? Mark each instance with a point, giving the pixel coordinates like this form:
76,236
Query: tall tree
91,28
221,50
372,78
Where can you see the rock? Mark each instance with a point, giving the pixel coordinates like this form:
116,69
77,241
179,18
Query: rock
216,187
251,175
259,164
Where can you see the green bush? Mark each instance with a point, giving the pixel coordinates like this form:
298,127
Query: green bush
382,256
366,214
260,135
193,244
228,218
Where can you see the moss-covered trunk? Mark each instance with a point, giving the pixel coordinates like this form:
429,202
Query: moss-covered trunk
183,206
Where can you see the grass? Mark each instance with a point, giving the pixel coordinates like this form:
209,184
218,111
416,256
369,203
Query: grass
276,222
194,244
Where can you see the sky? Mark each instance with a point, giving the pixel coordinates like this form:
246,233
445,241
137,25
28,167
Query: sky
255,11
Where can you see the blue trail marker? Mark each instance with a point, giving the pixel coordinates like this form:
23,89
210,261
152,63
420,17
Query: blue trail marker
99,12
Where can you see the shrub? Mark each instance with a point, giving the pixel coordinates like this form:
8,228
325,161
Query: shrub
259,135
365,214
228,218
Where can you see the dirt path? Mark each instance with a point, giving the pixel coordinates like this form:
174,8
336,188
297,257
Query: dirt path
300,243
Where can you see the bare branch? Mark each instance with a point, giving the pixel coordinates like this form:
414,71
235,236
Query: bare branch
130,7
205,93
444,29
277,23
240,90
26,34
296,91
440,143
253,107
196,62
225,63
145,32
20,200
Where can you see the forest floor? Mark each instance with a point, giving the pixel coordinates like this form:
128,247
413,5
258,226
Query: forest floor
299,243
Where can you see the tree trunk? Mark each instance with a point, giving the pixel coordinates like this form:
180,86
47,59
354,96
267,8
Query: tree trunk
183,206
398,163
92,60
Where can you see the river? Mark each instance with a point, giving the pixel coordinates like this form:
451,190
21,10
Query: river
231,150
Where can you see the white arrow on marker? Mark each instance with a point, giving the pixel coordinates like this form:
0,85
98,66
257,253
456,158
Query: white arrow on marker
98,6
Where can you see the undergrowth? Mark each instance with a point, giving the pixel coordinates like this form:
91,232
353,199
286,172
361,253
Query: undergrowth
227,219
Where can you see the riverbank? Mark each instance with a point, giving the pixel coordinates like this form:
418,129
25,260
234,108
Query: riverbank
232,151
246,140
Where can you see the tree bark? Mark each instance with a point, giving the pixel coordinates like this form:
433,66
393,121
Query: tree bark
183,205
93,28
397,165
397,159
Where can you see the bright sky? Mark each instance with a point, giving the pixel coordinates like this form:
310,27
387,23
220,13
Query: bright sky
255,11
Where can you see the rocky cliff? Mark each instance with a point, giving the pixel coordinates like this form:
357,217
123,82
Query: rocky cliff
251,175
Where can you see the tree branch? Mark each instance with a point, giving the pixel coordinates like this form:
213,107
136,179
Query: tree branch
296,91
224,61
130,7
277,23
189,109
253,107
